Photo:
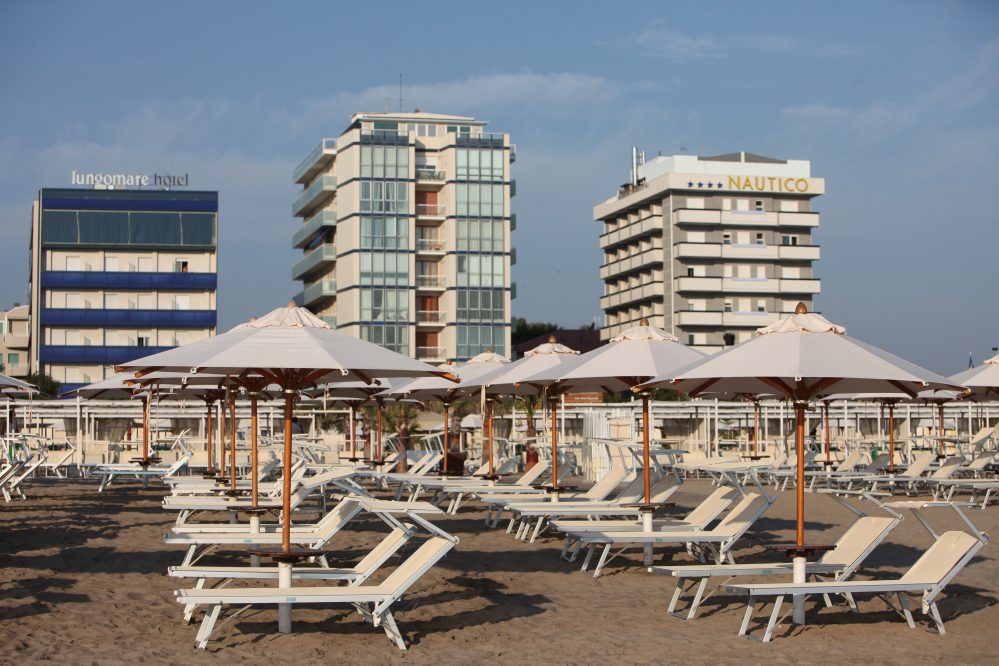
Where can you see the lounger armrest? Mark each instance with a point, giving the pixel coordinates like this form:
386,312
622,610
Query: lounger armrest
855,587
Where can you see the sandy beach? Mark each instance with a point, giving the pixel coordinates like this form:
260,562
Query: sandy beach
83,581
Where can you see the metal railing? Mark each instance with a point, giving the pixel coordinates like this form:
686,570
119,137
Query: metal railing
429,245
429,174
324,145
431,317
432,210
429,352
432,281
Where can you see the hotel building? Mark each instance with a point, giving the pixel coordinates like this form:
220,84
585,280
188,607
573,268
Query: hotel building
14,341
709,248
119,274
405,234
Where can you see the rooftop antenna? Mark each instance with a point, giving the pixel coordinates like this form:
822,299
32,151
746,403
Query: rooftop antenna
387,102
400,93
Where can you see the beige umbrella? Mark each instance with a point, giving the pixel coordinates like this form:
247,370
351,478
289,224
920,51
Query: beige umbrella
802,356
983,380
292,348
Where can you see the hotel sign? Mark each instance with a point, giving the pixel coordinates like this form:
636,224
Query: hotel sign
110,180
755,184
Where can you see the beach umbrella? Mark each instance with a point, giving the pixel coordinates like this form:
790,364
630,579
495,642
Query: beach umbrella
356,394
802,356
486,364
292,348
9,384
982,381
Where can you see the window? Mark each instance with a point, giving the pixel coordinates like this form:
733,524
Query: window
395,338
480,270
72,263
473,340
761,305
145,264
473,199
111,264
695,202
759,205
384,305
180,266
691,306
463,129
476,164
145,301
384,197
110,301
480,235
728,305
422,129
483,305
385,232
789,206
789,240
384,162
182,303
142,341
726,239
72,300
729,339
741,204
13,359
690,339
690,272
759,239
760,272
384,268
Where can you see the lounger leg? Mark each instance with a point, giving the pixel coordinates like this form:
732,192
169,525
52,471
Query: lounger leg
537,528
697,599
579,544
603,560
589,554
773,619
676,597
850,600
191,550
904,604
936,618
392,629
565,549
207,625
750,607
189,608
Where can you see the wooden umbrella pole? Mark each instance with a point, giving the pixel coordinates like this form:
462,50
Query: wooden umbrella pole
826,405
799,410
289,396
211,462
489,407
645,446
253,451
447,434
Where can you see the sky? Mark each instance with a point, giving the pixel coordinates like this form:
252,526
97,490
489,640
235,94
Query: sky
894,104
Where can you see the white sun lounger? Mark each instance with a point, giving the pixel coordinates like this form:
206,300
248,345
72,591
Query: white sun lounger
852,548
12,485
455,491
929,575
110,472
718,540
373,602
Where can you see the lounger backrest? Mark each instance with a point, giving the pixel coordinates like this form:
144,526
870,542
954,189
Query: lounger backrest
370,562
742,513
337,518
920,464
712,505
409,571
850,462
860,537
607,484
980,461
665,487
947,467
633,492
532,475
982,436
945,553
877,464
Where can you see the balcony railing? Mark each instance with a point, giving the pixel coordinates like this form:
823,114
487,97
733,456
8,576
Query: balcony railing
429,174
312,157
431,317
312,227
513,153
429,245
430,281
429,210
318,256
429,352
306,200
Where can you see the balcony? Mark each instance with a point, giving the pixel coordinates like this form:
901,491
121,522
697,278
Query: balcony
12,341
697,250
697,216
692,318
627,233
799,252
314,162
800,286
698,284
639,293
749,251
312,227
430,282
750,285
752,319
104,355
634,262
513,221
799,219
15,369
431,318
319,257
430,176
429,246
750,218
318,291
513,153
123,280
314,196
430,353
429,210
137,318
329,319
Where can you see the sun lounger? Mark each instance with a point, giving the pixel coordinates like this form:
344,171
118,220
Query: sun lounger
718,540
950,552
110,472
56,464
911,479
373,602
12,485
852,548
454,491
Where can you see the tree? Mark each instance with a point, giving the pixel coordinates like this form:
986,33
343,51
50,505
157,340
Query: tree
523,331
48,386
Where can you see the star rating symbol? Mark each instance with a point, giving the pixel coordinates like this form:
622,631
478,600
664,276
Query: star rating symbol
690,184
700,184
710,184
719,185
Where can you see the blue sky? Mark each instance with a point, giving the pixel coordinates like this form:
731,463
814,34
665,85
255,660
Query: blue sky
894,103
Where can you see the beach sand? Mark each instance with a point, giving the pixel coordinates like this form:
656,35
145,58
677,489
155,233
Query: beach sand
83,581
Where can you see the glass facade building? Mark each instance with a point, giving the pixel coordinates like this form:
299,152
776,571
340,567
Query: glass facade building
117,275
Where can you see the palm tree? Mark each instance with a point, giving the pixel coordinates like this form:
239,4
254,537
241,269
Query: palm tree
401,419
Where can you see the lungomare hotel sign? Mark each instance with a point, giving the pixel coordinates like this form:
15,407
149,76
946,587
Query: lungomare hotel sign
750,183
110,180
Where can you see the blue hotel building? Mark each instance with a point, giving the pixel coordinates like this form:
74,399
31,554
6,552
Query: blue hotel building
119,274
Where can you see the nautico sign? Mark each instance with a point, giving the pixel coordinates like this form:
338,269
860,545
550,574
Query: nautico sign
110,180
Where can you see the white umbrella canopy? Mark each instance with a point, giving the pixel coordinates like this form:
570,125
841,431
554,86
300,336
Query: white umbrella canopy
802,356
983,381
11,384
550,359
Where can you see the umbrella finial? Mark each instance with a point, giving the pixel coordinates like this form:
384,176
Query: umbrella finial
644,322
801,309
253,319
551,339
291,304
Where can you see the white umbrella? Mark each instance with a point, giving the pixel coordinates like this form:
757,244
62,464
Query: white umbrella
16,385
802,356
293,348
353,395
983,380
